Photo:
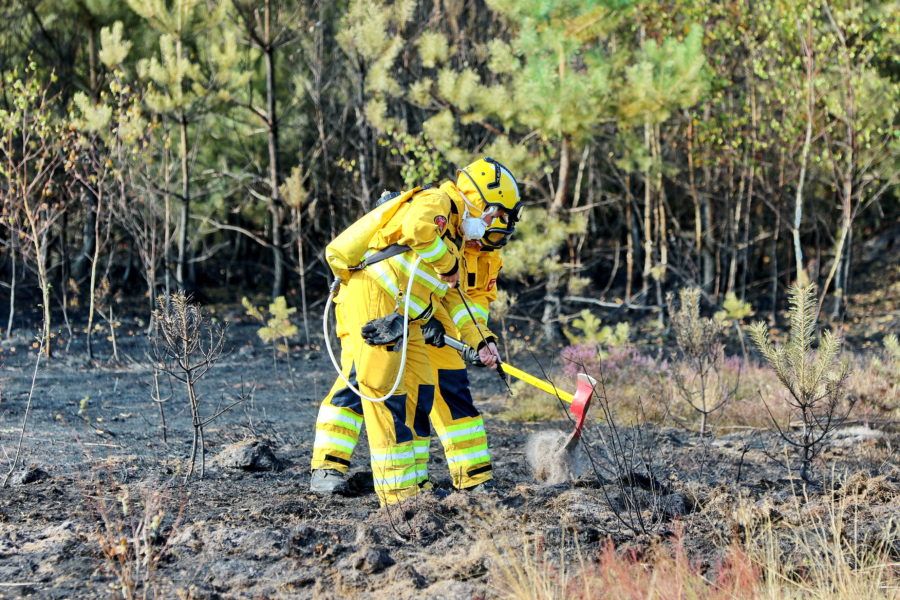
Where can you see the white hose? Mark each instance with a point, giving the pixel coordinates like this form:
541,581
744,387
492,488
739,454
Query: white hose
334,361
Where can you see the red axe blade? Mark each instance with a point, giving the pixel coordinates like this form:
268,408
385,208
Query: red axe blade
581,401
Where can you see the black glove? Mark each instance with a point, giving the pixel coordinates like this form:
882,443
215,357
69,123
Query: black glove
434,332
383,331
471,357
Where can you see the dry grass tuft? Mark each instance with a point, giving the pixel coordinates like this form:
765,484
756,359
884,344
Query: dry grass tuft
133,533
817,553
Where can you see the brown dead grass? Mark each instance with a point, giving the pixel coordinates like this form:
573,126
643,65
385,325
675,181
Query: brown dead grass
816,553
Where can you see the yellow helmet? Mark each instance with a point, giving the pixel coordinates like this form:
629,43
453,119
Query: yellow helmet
488,184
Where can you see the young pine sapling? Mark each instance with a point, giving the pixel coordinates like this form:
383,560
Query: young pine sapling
815,379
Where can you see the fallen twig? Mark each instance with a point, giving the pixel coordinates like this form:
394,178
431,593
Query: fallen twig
15,462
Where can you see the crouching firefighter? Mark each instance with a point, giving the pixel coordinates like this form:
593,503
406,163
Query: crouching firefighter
394,267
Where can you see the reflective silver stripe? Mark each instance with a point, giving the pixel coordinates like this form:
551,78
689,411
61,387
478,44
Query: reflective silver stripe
391,456
334,414
461,432
323,438
470,457
480,311
434,282
434,250
420,307
385,279
397,479
460,315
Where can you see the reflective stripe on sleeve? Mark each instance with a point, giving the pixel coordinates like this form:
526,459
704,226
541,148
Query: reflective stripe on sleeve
460,315
422,276
385,279
434,251
480,312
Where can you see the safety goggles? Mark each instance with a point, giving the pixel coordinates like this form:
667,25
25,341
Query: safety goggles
497,234
507,215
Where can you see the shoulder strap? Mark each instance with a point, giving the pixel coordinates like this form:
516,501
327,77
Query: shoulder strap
383,254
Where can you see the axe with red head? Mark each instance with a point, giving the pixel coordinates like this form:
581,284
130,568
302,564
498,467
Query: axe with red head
579,402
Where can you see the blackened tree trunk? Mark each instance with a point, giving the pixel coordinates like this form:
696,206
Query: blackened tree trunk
276,210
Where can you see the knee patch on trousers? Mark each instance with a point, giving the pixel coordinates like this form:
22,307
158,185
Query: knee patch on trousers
454,386
347,398
397,405
421,424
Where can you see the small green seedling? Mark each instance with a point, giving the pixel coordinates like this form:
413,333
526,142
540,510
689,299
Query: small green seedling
277,328
733,312
83,406
592,331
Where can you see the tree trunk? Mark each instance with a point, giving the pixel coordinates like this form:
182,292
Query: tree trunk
630,240
275,209
733,231
12,283
44,281
802,277
662,239
695,196
774,259
181,268
301,267
648,224
93,282
80,266
363,141
552,301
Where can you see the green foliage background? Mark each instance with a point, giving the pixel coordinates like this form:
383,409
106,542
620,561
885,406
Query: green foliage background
657,143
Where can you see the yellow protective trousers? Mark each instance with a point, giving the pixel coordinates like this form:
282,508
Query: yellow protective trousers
449,406
373,369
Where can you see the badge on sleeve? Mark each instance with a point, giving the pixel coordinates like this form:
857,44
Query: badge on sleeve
491,284
441,222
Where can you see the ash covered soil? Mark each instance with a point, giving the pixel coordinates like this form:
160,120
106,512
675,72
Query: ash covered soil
94,458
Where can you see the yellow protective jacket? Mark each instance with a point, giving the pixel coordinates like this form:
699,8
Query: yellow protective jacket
478,279
426,220
481,272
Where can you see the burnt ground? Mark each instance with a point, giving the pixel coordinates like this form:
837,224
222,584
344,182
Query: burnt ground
95,458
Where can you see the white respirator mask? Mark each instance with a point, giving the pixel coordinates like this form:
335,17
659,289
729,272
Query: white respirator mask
474,228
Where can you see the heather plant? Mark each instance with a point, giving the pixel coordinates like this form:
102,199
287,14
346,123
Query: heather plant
592,343
700,377
815,379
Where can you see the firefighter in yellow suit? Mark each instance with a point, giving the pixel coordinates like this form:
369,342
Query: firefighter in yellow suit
451,409
457,422
370,307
